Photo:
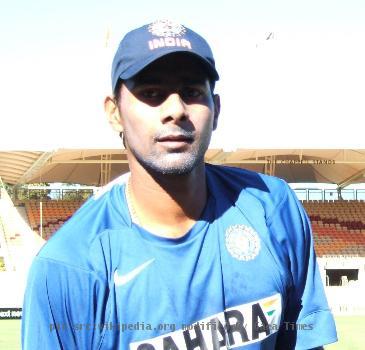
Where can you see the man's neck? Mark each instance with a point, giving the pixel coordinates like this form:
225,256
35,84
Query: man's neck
167,206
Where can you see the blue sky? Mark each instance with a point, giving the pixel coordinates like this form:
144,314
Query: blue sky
302,88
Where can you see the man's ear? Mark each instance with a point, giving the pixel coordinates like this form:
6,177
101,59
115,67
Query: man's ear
217,109
112,113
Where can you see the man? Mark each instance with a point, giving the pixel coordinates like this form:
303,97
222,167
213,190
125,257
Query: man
177,254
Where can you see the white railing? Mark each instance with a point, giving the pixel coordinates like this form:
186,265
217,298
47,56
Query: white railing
346,300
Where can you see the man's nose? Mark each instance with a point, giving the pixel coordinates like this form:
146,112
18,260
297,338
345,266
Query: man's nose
173,108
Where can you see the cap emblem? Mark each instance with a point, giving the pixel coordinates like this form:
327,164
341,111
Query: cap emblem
166,28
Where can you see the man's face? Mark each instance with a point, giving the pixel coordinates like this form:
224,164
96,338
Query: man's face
168,113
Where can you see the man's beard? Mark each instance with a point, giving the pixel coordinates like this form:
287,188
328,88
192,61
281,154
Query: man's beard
170,164
174,163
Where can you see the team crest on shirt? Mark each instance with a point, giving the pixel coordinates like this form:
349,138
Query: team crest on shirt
242,242
166,28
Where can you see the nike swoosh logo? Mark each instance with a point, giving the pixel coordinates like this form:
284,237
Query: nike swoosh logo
120,280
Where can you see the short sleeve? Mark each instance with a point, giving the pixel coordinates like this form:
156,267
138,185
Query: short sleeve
307,321
60,309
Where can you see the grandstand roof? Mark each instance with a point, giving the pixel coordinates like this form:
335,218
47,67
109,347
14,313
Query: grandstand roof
98,166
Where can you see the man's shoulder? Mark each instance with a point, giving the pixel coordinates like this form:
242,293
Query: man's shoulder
106,210
242,182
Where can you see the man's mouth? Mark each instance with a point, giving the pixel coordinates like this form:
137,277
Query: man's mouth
175,138
175,141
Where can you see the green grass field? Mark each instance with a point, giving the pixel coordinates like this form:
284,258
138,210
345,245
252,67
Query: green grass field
10,334
351,333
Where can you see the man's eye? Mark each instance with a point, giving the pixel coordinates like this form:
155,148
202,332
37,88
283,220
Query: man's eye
192,92
151,93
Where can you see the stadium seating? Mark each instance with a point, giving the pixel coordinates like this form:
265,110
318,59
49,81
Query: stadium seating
55,213
338,227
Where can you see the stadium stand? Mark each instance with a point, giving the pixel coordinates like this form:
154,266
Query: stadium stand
338,227
339,238
54,214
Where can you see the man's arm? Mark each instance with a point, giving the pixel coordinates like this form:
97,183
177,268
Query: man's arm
59,310
308,322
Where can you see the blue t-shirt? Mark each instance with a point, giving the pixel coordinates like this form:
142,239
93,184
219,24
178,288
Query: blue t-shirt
244,276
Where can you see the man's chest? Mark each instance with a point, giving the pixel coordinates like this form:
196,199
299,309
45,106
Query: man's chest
222,288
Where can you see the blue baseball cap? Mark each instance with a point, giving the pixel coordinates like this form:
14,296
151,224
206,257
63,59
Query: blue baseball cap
142,46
